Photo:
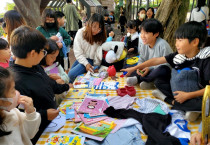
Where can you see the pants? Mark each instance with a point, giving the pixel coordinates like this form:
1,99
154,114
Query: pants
72,34
77,69
122,28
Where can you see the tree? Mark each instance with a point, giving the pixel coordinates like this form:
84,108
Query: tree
9,6
31,10
172,14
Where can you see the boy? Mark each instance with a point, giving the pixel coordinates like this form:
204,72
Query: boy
107,23
151,46
112,18
122,22
60,18
190,37
28,46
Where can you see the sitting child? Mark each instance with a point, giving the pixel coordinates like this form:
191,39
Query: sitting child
190,38
5,53
151,46
28,46
16,127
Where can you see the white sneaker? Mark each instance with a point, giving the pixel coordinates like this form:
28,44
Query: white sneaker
192,116
131,81
158,94
147,86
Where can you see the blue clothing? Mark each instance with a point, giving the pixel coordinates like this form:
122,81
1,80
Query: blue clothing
77,69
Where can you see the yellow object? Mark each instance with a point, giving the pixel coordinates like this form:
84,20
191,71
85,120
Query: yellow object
123,55
132,60
206,116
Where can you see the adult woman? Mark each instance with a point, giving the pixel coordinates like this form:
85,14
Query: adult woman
150,13
87,40
141,16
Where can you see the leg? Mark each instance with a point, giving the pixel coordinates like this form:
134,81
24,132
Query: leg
194,104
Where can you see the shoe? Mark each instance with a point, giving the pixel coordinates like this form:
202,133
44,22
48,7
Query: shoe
131,81
147,86
158,94
192,116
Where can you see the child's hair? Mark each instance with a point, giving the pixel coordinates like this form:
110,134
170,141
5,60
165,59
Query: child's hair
141,9
192,30
200,3
3,25
12,20
68,1
25,39
100,37
53,47
152,11
51,14
6,79
152,25
3,44
59,14
112,12
106,15
132,24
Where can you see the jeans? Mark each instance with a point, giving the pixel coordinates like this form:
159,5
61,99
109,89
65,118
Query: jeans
77,69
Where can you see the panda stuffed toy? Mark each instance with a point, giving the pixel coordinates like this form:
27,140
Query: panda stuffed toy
111,53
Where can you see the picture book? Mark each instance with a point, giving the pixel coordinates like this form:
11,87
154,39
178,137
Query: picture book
69,111
91,120
97,131
105,105
53,69
65,139
91,105
79,93
107,86
76,107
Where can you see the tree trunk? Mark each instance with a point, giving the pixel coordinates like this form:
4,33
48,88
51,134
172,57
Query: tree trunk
128,10
30,10
172,14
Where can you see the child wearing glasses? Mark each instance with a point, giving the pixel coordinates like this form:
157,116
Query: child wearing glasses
5,53
28,46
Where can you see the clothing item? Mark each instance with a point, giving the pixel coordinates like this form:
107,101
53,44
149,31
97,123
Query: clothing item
122,20
153,125
160,49
199,16
71,16
125,136
35,83
23,127
132,42
131,81
83,49
124,102
77,69
146,85
4,65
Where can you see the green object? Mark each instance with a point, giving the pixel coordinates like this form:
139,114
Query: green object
141,72
159,110
120,2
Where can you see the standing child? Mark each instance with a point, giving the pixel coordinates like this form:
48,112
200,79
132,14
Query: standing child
5,53
190,73
122,22
16,127
112,19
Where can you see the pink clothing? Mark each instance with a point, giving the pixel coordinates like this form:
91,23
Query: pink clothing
4,64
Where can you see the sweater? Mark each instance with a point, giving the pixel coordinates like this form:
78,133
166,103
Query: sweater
160,49
24,126
83,49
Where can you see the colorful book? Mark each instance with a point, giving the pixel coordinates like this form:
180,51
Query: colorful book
107,86
60,139
79,93
70,111
91,120
76,107
97,131
53,69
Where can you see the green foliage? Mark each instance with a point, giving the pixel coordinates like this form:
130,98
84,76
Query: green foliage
117,12
9,6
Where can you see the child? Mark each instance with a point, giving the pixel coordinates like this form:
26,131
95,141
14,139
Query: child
28,46
189,39
5,53
112,18
50,60
141,17
122,22
60,18
16,127
107,23
133,39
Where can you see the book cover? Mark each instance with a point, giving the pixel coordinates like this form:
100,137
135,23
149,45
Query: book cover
53,69
107,86
91,120
79,93
60,139
70,111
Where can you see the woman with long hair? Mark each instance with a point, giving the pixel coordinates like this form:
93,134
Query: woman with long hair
87,40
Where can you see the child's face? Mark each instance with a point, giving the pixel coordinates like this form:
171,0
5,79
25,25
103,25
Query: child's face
5,54
37,57
132,31
12,91
106,18
142,13
149,13
50,58
148,38
184,47
61,21
95,28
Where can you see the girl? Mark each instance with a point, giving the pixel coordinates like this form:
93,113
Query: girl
87,40
5,53
50,29
49,64
141,16
133,39
15,127
150,13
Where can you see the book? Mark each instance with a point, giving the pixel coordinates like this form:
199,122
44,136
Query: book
107,86
91,120
79,93
53,69
70,111
97,131
65,139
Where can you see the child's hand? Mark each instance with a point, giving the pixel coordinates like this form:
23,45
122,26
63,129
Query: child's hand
55,38
128,70
52,114
195,139
89,67
28,103
60,81
111,34
54,76
181,96
71,85
131,50
143,72
60,45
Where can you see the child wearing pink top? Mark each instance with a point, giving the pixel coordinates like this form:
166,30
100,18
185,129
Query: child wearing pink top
5,53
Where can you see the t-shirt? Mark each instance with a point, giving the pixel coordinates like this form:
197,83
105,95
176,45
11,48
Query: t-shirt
202,64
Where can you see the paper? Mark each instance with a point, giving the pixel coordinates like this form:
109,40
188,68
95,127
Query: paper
56,124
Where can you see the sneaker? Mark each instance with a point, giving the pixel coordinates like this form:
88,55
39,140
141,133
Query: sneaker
147,86
158,94
131,81
192,116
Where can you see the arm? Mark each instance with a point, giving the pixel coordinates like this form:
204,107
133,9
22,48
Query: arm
58,88
66,37
63,75
75,14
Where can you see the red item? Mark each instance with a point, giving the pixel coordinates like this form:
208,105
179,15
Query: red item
111,71
127,90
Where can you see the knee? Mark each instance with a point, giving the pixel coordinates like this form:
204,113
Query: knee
72,76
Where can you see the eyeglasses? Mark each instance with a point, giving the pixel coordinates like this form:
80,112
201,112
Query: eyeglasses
45,52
